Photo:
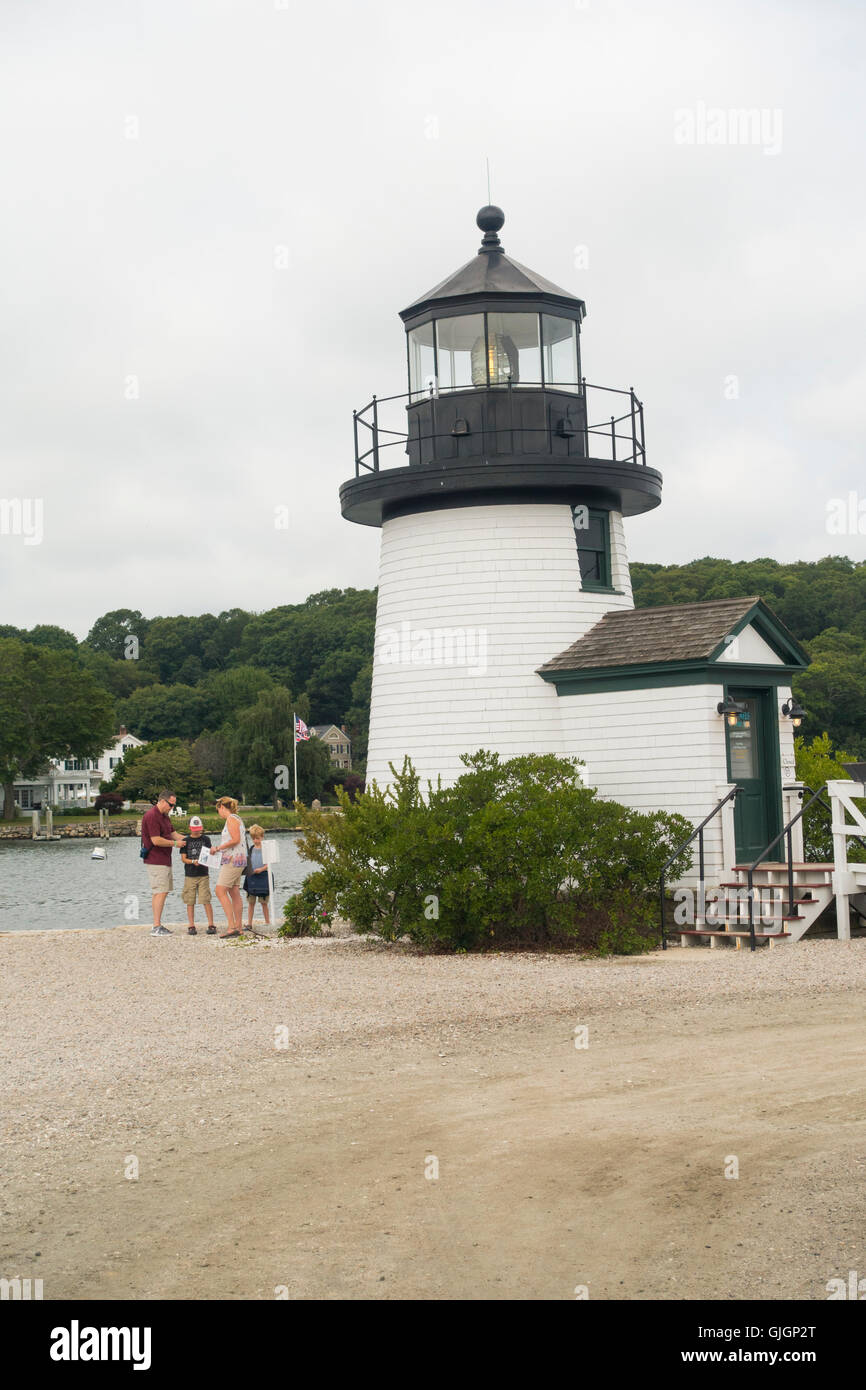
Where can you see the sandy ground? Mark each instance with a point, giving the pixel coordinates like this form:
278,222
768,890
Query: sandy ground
285,1105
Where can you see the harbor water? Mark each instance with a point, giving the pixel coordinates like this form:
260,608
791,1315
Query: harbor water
56,885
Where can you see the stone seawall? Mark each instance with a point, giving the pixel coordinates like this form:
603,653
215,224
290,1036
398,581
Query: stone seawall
78,830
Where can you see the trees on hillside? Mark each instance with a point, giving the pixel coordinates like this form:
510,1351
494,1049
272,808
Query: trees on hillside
833,689
165,711
50,707
118,634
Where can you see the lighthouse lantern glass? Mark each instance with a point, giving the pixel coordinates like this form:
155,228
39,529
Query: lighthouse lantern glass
456,342
513,352
560,353
422,361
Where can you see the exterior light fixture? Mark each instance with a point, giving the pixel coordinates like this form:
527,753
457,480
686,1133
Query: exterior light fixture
730,709
791,710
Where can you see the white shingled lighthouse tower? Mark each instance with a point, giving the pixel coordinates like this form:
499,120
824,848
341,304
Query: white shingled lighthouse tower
502,535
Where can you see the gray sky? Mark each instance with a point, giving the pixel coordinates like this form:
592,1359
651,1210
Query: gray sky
222,205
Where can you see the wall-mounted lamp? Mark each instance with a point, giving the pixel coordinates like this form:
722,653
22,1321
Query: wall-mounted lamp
791,710
730,709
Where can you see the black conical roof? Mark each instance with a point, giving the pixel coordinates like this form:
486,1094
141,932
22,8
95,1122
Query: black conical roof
491,273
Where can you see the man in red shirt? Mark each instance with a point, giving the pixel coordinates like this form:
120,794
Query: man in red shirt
159,838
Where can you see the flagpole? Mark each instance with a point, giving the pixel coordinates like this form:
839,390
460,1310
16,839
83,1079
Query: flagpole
295,739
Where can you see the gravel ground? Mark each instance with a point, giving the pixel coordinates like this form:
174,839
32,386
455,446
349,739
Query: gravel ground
182,1051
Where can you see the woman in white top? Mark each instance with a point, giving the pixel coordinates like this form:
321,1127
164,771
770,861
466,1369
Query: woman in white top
233,847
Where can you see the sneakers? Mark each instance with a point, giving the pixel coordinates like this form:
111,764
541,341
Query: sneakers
160,931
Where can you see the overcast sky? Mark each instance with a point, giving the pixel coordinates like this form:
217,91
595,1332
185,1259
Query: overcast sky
212,211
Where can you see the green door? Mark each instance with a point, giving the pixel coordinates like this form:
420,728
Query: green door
753,763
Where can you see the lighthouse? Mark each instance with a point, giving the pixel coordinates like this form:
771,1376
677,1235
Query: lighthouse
500,480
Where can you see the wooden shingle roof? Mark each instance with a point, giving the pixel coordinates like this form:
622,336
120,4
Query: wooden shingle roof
635,636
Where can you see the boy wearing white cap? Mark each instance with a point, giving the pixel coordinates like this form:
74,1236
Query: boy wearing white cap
196,881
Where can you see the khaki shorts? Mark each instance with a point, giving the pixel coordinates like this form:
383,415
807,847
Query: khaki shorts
160,878
196,890
230,875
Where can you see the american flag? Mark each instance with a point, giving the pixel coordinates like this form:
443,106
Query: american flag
301,730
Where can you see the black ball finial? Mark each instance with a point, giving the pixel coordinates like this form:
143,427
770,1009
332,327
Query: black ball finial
490,219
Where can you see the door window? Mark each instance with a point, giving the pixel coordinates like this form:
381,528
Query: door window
742,738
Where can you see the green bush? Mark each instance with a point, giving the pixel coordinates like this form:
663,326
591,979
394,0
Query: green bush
516,853
305,914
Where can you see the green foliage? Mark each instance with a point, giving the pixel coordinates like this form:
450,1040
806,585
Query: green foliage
833,689
261,747
357,718
119,677
515,853
314,766
212,753
164,711
305,914
197,673
319,645
110,634
50,707
816,764
56,639
167,764
231,691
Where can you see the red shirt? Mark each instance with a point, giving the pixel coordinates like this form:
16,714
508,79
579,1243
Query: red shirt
155,822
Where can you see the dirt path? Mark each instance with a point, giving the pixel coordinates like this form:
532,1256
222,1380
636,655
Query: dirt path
304,1169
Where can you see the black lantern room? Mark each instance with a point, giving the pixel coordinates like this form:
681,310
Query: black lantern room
497,409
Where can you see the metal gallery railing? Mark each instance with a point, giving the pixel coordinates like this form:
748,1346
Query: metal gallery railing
619,438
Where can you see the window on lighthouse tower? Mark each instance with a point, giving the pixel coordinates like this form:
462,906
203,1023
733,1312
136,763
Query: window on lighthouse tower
592,533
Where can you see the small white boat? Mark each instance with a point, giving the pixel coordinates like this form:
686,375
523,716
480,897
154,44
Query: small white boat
98,853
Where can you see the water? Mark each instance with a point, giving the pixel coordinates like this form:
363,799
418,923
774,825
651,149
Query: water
55,883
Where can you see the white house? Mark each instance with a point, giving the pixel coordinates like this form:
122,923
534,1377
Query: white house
73,781
505,617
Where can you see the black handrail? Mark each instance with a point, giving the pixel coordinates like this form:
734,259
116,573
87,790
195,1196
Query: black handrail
785,831
633,415
699,832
